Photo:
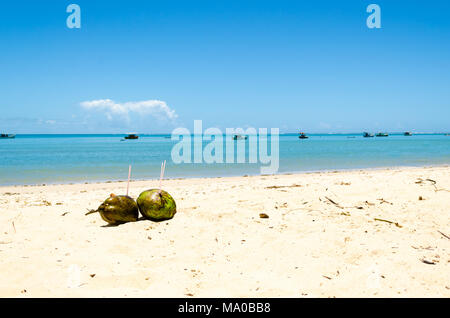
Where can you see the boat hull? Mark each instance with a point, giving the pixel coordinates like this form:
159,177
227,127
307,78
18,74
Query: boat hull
7,136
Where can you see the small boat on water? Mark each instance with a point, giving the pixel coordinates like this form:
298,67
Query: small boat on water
131,136
7,136
240,137
303,136
407,133
367,135
382,134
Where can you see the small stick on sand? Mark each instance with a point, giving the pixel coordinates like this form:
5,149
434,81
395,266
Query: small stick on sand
384,201
336,204
129,175
444,235
284,186
387,221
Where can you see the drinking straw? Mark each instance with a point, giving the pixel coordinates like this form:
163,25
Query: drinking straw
161,176
129,175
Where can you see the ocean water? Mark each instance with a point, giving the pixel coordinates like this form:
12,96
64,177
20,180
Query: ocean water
39,159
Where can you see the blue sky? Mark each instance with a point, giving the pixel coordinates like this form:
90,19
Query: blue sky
156,65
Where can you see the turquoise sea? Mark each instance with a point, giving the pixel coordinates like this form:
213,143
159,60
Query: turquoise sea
39,159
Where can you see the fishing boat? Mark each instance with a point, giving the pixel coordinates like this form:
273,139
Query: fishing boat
7,136
382,134
239,137
131,136
407,133
303,136
367,135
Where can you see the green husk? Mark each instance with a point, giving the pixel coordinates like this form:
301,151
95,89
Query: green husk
118,209
156,204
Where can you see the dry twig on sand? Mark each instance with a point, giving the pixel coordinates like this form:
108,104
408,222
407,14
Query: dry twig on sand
290,186
336,204
343,207
433,183
446,236
420,181
387,221
384,201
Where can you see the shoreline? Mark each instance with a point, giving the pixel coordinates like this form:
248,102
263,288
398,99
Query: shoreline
365,233
446,165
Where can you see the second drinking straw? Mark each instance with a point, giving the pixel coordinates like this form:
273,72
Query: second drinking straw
161,176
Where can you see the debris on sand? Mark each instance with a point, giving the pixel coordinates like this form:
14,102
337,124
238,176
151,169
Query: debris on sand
446,236
336,204
283,186
421,181
427,262
387,221
384,201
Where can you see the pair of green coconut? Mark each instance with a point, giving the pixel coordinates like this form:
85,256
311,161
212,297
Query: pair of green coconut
154,204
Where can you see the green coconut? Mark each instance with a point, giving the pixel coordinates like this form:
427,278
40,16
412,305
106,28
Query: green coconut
156,204
118,209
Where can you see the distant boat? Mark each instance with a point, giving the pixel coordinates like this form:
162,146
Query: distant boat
407,133
240,137
131,136
7,136
382,134
303,136
366,135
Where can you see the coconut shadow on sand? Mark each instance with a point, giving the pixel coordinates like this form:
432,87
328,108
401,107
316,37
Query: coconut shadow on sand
140,219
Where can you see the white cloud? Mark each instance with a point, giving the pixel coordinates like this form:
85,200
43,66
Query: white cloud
155,108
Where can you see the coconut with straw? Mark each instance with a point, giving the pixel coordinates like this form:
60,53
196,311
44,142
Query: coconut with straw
157,204
118,209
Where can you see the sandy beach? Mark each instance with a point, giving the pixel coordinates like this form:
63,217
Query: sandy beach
327,235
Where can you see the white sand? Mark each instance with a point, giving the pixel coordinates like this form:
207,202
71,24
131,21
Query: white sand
218,246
